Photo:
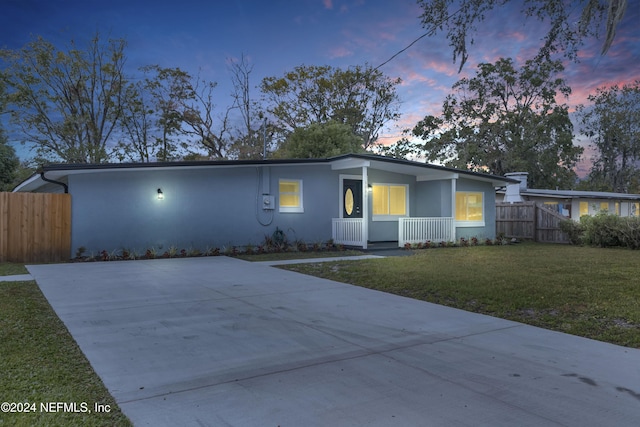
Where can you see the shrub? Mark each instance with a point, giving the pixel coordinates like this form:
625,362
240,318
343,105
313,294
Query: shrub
602,230
573,229
630,233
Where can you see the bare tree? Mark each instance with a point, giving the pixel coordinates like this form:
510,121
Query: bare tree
137,125
248,138
67,103
211,133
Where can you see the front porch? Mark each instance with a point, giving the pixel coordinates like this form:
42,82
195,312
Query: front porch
351,231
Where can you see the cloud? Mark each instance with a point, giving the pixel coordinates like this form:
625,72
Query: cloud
339,52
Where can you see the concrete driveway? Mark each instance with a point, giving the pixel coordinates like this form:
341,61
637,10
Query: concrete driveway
223,342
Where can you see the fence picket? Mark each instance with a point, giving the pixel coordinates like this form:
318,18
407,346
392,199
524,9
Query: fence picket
528,220
35,227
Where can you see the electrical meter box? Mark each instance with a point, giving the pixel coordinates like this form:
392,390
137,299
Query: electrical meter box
268,202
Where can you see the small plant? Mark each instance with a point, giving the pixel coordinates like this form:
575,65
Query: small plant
464,242
474,241
488,241
104,255
407,246
249,250
172,251
278,237
267,243
300,245
442,244
317,247
80,252
151,253
125,254
329,245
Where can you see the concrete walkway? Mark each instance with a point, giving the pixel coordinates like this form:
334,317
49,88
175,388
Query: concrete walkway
16,278
223,342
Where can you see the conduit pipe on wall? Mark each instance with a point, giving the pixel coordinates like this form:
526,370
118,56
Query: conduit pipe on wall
65,186
262,176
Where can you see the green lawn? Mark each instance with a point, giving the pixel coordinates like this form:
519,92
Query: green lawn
278,256
589,292
41,363
11,268
584,291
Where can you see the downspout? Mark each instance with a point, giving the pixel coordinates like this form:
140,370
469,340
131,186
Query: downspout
65,186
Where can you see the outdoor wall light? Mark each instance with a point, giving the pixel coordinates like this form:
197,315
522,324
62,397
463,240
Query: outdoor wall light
160,194
369,188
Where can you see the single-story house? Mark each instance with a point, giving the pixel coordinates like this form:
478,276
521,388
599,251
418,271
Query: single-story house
353,199
570,203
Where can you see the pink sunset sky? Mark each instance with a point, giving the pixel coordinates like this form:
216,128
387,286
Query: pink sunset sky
276,36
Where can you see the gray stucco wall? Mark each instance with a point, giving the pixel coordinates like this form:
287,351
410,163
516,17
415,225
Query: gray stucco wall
381,231
433,198
202,208
489,230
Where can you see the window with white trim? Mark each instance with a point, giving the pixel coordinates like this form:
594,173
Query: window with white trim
469,209
389,201
290,196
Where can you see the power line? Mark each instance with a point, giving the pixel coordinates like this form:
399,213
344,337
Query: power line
428,33
431,32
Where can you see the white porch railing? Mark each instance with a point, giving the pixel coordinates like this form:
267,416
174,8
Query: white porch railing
416,230
348,231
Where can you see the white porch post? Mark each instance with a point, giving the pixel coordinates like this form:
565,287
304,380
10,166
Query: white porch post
365,207
453,206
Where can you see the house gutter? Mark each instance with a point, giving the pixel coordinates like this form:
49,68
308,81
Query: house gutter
65,186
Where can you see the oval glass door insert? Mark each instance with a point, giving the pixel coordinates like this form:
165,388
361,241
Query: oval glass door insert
348,201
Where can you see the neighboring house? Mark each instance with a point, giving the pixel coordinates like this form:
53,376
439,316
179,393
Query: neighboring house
570,203
353,199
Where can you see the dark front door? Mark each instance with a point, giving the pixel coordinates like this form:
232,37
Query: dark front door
352,198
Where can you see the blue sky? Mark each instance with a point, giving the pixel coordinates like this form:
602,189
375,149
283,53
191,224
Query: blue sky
278,35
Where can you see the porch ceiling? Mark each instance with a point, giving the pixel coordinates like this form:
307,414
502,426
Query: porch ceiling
422,172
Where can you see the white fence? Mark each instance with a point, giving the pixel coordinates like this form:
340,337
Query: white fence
416,230
348,231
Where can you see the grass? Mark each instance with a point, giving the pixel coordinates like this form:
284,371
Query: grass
40,362
10,268
277,256
590,292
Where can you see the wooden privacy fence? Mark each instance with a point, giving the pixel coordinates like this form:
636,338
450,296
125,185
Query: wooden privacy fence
528,220
35,227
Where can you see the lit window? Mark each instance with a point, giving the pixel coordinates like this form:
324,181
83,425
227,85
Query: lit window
604,206
389,200
470,208
617,204
584,208
291,195
634,209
